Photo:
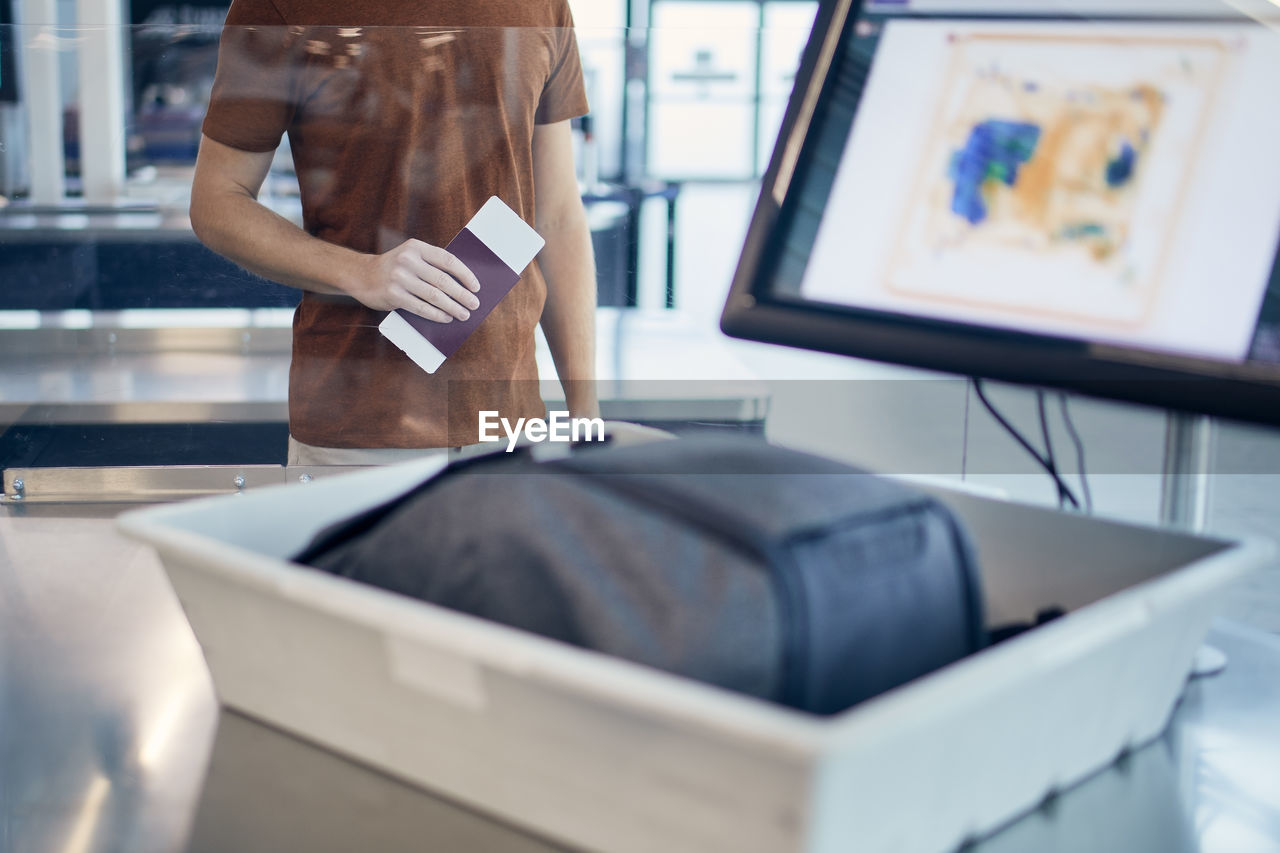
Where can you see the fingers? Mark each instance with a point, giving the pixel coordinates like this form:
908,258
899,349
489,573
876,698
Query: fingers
442,287
443,260
430,312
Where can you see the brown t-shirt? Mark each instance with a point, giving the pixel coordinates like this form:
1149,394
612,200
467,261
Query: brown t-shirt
404,117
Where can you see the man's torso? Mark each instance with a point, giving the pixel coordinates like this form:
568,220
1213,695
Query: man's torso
402,127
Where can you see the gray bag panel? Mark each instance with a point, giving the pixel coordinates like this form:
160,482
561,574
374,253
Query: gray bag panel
774,573
539,552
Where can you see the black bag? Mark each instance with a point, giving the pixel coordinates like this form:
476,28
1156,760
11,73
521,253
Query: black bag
767,571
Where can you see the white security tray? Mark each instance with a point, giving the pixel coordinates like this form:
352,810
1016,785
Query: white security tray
606,754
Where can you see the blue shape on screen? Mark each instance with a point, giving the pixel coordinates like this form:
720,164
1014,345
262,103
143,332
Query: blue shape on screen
994,151
1120,168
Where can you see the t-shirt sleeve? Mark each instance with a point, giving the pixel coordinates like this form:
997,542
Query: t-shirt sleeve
255,88
565,95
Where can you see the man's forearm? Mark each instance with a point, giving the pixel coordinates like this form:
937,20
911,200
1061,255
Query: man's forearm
227,217
569,318
236,225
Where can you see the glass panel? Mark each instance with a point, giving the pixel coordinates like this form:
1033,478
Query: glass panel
125,341
119,319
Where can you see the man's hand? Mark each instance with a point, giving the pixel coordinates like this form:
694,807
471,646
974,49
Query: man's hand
422,279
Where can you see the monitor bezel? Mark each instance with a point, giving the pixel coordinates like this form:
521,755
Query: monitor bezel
8,54
1246,391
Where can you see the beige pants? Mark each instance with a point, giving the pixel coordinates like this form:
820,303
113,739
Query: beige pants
309,454
302,454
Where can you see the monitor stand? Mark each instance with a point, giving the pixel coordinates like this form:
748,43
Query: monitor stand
1184,497
1189,445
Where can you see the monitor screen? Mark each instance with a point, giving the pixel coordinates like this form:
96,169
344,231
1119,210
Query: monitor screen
1072,194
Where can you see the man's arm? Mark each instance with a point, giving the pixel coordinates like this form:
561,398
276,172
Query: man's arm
227,217
567,263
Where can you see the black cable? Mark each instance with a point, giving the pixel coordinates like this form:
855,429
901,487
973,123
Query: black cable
1075,438
1063,490
1049,456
